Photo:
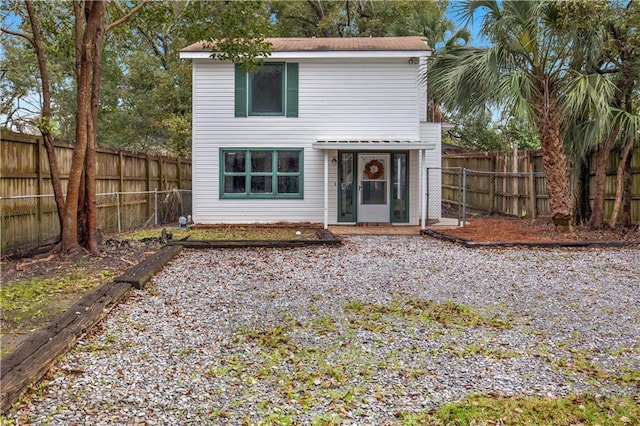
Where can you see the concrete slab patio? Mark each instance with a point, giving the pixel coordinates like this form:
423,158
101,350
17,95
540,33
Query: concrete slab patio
388,229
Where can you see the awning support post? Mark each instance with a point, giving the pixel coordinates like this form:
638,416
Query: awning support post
423,186
326,189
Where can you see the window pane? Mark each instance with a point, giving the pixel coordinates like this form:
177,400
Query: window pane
261,184
374,192
261,161
234,184
266,89
399,185
288,161
234,162
346,186
288,185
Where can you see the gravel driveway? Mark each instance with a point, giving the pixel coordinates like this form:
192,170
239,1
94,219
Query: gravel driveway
363,333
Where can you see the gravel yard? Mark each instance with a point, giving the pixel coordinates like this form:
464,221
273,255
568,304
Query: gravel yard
365,333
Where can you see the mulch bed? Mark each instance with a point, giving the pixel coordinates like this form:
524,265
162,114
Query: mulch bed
500,231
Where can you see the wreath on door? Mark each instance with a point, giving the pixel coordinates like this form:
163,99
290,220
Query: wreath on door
373,169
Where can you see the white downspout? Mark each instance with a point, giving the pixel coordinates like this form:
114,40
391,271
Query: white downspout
326,189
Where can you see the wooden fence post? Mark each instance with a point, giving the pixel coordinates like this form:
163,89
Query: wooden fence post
492,187
178,173
121,171
515,182
160,174
531,185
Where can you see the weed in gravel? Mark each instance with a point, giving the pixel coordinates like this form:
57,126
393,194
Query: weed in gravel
490,410
580,361
324,325
424,311
473,349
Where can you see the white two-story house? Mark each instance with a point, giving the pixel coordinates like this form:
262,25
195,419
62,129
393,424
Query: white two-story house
329,130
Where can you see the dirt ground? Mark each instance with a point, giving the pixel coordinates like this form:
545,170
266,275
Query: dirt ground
115,258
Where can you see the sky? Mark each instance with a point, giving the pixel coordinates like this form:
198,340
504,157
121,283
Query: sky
473,27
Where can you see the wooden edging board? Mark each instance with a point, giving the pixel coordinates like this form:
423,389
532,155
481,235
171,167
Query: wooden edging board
30,361
551,244
139,274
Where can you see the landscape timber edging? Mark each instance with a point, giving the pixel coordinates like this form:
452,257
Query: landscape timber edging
139,274
30,361
540,244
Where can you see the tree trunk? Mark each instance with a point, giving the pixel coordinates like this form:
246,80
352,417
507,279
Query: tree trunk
92,124
548,122
602,159
620,182
582,208
627,196
45,125
90,18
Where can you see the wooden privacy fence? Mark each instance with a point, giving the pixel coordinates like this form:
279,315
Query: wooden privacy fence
495,183
515,184
133,188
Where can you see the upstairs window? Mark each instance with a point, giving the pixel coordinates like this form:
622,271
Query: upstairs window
266,91
272,90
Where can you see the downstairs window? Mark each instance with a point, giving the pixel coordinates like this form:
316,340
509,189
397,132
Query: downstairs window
261,173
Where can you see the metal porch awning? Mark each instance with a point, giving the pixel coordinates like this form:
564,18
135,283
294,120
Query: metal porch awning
373,145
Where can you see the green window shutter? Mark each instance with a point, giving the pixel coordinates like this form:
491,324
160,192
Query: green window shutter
292,90
241,92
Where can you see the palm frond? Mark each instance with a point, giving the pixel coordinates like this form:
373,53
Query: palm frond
629,125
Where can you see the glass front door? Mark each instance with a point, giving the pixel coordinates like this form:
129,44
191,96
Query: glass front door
373,187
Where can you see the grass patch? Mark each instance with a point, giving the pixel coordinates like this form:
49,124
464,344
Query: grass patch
227,233
487,410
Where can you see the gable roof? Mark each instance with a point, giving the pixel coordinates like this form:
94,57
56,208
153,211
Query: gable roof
332,47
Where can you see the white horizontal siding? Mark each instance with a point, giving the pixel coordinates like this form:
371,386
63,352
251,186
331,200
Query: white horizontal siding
431,132
338,99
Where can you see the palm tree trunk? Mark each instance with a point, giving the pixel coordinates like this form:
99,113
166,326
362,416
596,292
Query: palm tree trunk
602,158
627,196
548,122
619,183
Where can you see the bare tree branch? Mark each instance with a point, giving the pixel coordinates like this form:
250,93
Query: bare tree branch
17,34
125,18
